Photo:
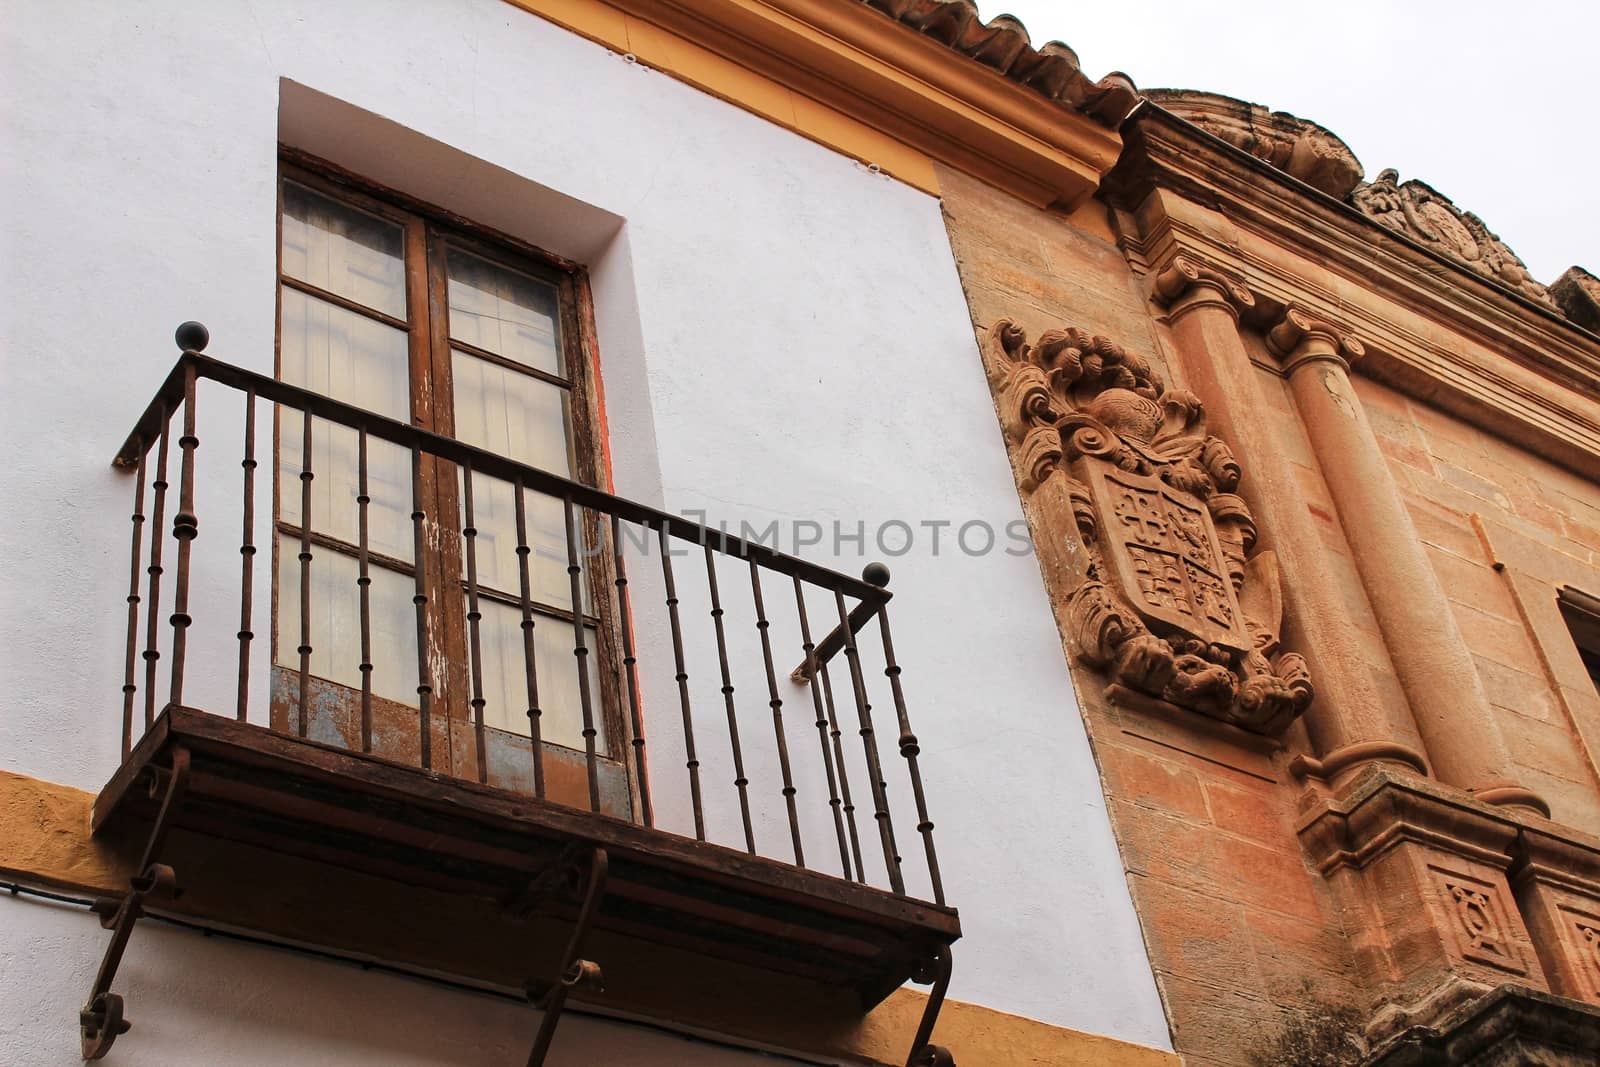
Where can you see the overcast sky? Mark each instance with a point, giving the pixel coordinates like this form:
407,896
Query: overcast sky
1494,104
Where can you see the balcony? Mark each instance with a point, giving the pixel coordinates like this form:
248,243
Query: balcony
634,803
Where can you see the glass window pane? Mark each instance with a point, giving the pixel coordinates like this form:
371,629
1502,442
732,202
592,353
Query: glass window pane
336,622
511,414
345,251
504,312
505,685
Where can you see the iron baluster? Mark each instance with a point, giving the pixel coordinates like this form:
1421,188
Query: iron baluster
878,575
469,533
869,743
580,651
822,725
364,587
630,671
741,782
691,762
776,703
837,737
247,555
152,649
130,686
529,667
185,528
303,712
419,541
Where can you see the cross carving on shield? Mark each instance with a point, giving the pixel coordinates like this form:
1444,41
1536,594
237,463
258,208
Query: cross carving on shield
1166,557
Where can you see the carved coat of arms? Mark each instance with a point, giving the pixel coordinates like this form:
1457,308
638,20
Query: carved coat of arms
1168,594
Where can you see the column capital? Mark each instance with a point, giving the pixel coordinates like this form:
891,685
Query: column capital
1300,337
1187,283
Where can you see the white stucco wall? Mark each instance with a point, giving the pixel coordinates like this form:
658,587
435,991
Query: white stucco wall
211,1000
783,336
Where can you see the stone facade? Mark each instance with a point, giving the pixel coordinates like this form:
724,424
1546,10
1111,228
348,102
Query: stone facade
1405,871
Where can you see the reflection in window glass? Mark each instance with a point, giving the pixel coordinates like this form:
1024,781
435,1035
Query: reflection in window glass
328,350
336,483
345,251
505,680
336,622
503,312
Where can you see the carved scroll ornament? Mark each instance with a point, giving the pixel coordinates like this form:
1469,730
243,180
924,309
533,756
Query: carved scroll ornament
1420,212
1168,594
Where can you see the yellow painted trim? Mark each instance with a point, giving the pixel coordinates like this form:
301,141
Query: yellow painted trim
850,78
46,842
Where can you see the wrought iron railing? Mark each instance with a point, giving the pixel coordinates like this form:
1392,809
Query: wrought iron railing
654,634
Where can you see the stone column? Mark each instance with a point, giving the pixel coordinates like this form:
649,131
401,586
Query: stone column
1348,722
1448,703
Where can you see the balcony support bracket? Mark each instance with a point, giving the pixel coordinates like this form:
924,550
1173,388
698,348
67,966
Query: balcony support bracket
923,1052
101,1021
576,973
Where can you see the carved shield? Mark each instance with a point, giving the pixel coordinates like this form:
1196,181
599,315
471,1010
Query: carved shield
1164,551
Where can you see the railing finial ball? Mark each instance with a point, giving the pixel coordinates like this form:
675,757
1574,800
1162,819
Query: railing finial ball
875,574
192,337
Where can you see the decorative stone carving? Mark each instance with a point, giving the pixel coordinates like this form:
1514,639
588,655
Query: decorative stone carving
1299,148
1421,213
1168,594
1479,924
1577,293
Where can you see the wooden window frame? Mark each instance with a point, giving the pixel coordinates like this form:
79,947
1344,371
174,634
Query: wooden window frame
428,231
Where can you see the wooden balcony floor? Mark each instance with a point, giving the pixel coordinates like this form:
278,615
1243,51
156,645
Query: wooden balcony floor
285,795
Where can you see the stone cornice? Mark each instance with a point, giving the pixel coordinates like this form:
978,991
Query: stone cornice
853,77
1537,380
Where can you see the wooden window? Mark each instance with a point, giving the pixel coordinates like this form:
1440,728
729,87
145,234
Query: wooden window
412,315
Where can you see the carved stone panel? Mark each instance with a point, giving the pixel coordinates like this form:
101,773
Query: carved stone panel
1479,926
1164,589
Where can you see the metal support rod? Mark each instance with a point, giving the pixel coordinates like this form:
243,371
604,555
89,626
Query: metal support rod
576,973
833,643
630,671
923,1052
101,1021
